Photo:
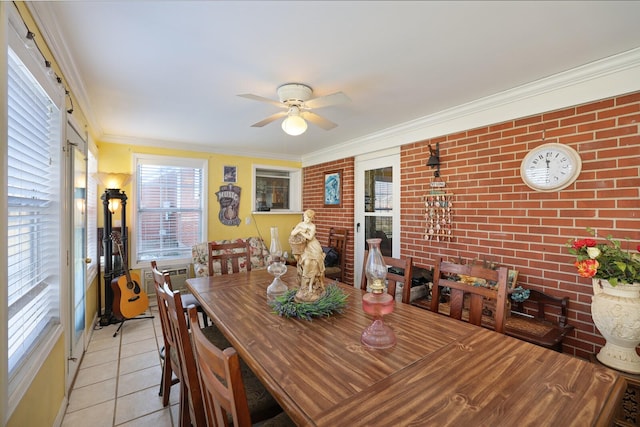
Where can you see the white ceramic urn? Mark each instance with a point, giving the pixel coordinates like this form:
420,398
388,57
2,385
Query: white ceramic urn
616,314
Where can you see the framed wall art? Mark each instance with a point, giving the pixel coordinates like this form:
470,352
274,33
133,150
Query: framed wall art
229,173
333,189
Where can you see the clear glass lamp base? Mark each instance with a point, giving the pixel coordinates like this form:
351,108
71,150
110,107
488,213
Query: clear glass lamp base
277,287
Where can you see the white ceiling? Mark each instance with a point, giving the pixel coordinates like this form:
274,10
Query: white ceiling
169,72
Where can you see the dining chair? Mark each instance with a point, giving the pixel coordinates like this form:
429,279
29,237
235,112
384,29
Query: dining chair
191,410
393,276
232,257
187,298
168,354
232,395
475,281
338,241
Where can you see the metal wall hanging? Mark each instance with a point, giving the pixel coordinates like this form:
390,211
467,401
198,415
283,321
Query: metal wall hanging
439,216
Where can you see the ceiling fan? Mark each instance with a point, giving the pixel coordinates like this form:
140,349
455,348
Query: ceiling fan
296,99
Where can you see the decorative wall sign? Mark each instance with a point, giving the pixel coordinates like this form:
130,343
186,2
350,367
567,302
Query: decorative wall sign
333,189
229,173
229,199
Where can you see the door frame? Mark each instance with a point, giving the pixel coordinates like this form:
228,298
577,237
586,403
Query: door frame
75,344
379,159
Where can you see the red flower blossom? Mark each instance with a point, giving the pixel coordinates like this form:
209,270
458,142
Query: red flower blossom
582,243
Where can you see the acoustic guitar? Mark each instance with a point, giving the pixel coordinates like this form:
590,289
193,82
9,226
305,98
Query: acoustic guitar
129,300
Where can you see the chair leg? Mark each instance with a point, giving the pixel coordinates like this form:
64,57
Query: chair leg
185,417
165,383
205,319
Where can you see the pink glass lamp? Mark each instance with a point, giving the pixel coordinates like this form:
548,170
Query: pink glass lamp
377,302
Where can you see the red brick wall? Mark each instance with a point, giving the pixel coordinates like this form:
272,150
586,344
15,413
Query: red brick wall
313,198
497,217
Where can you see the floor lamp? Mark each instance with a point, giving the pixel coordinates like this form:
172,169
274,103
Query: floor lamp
113,199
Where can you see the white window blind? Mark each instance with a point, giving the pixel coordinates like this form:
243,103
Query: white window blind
33,213
170,207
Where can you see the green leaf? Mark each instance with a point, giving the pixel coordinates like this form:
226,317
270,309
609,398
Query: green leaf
621,265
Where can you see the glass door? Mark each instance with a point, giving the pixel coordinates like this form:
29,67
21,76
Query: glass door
377,207
78,239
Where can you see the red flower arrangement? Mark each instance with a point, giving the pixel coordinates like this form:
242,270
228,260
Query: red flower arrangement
605,260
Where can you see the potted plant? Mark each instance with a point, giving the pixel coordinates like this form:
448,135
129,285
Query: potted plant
615,305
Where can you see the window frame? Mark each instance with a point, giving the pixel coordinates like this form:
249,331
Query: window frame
295,188
134,202
17,385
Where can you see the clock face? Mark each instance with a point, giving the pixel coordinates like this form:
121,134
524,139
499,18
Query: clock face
550,167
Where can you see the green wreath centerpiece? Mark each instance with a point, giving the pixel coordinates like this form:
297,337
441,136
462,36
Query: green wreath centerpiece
334,300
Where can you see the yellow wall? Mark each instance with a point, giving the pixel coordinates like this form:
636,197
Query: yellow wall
118,158
42,402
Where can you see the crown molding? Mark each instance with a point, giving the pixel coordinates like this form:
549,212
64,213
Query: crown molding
612,76
50,30
198,148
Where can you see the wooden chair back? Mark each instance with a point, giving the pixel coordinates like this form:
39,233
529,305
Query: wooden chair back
221,381
191,406
444,276
170,364
234,254
338,241
393,278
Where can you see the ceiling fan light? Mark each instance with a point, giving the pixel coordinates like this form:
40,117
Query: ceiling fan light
294,125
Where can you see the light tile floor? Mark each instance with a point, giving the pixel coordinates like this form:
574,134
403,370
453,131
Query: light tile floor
119,379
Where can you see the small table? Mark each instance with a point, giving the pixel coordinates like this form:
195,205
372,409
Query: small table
442,371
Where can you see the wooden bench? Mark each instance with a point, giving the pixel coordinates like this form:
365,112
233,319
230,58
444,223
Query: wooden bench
541,319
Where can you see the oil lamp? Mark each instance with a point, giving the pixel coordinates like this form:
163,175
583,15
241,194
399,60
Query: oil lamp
377,302
277,267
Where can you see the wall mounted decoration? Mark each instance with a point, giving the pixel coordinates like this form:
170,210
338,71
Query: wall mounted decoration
229,173
333,189
550,167
229,199
438,216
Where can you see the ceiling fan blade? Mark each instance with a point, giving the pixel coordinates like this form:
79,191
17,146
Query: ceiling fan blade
325,101
269,119
263,99
318,120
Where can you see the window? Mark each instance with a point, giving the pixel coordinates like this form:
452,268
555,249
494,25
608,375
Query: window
276,189
170,209
33,263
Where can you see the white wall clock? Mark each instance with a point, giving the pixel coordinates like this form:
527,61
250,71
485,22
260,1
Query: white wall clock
550,167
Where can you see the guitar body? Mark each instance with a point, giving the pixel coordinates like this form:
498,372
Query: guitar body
129,300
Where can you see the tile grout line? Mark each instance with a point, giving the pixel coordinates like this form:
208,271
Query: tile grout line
115,398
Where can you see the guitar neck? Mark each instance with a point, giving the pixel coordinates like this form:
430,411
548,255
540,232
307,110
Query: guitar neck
124,262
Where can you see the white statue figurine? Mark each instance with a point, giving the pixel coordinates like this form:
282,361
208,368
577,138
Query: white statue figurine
310,259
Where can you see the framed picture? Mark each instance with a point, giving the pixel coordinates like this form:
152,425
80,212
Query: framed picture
333,189
229,173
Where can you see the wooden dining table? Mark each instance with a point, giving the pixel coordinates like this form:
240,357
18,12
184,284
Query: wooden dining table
441,372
